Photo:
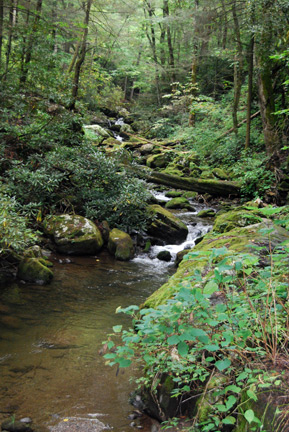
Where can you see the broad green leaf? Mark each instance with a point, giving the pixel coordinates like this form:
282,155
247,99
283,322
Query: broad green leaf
230,420
233,388
173,340
183,349
117,328
211,287
249,415
223,364
124,363
252,395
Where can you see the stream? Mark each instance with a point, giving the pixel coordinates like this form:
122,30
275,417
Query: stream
50,336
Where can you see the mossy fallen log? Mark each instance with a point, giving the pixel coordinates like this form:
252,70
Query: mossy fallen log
213,187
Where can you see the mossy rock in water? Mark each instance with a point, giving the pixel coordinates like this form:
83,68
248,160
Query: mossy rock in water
174,194
160,160
111,142
220,174
35,270
120,245
236,218
73,234
164,255
166,226
237,240
179,203
191,195
206,213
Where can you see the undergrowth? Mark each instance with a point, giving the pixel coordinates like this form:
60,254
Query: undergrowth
234,327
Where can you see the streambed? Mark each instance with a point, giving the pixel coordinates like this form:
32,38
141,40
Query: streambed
50,336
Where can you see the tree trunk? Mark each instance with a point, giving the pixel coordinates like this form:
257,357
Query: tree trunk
250,90
152,41
166,14
1,27
10,35
81,58
265,82
238,69
192,116
29,50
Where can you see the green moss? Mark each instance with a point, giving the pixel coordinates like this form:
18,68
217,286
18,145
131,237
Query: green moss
206,213
236,218
120,245
34,270
179,203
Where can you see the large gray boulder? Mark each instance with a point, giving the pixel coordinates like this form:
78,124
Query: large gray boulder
73,234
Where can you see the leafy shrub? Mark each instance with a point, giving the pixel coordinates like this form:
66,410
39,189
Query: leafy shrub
83,180
15,235
190,338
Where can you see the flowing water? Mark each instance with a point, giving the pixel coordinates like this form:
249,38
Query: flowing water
50,337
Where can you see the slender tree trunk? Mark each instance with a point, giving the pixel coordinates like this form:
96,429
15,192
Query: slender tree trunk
10,35
30,44
152,41
192,115
166,14
238,69
250,88
81,57
1,27
265,82
225,26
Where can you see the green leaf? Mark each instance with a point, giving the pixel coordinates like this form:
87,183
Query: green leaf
183,349
233,388
249,415
124,363
173,340
211,287
223,364
252,395
230,420
211,348
117,328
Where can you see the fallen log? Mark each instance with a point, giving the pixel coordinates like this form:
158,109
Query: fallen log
210,186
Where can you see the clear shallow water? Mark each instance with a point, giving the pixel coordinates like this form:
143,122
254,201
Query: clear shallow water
50,336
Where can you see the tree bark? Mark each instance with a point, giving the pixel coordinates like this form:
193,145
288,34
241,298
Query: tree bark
81,58
30,44
1,27
166,14
250,90
238,69
265,82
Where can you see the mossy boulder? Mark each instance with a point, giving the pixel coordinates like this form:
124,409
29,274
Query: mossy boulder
35,270
174,194
206,213
164,255
146,149
166,226
120,245
179,203
73,234
236,218
160,160
220,174
111,142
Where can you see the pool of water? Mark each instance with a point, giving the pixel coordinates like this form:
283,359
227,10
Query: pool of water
50,337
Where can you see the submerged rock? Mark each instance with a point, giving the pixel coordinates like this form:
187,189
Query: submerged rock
35,270
120,245
74,234
166,226
11,425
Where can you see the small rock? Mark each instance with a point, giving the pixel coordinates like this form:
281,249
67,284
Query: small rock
164,256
